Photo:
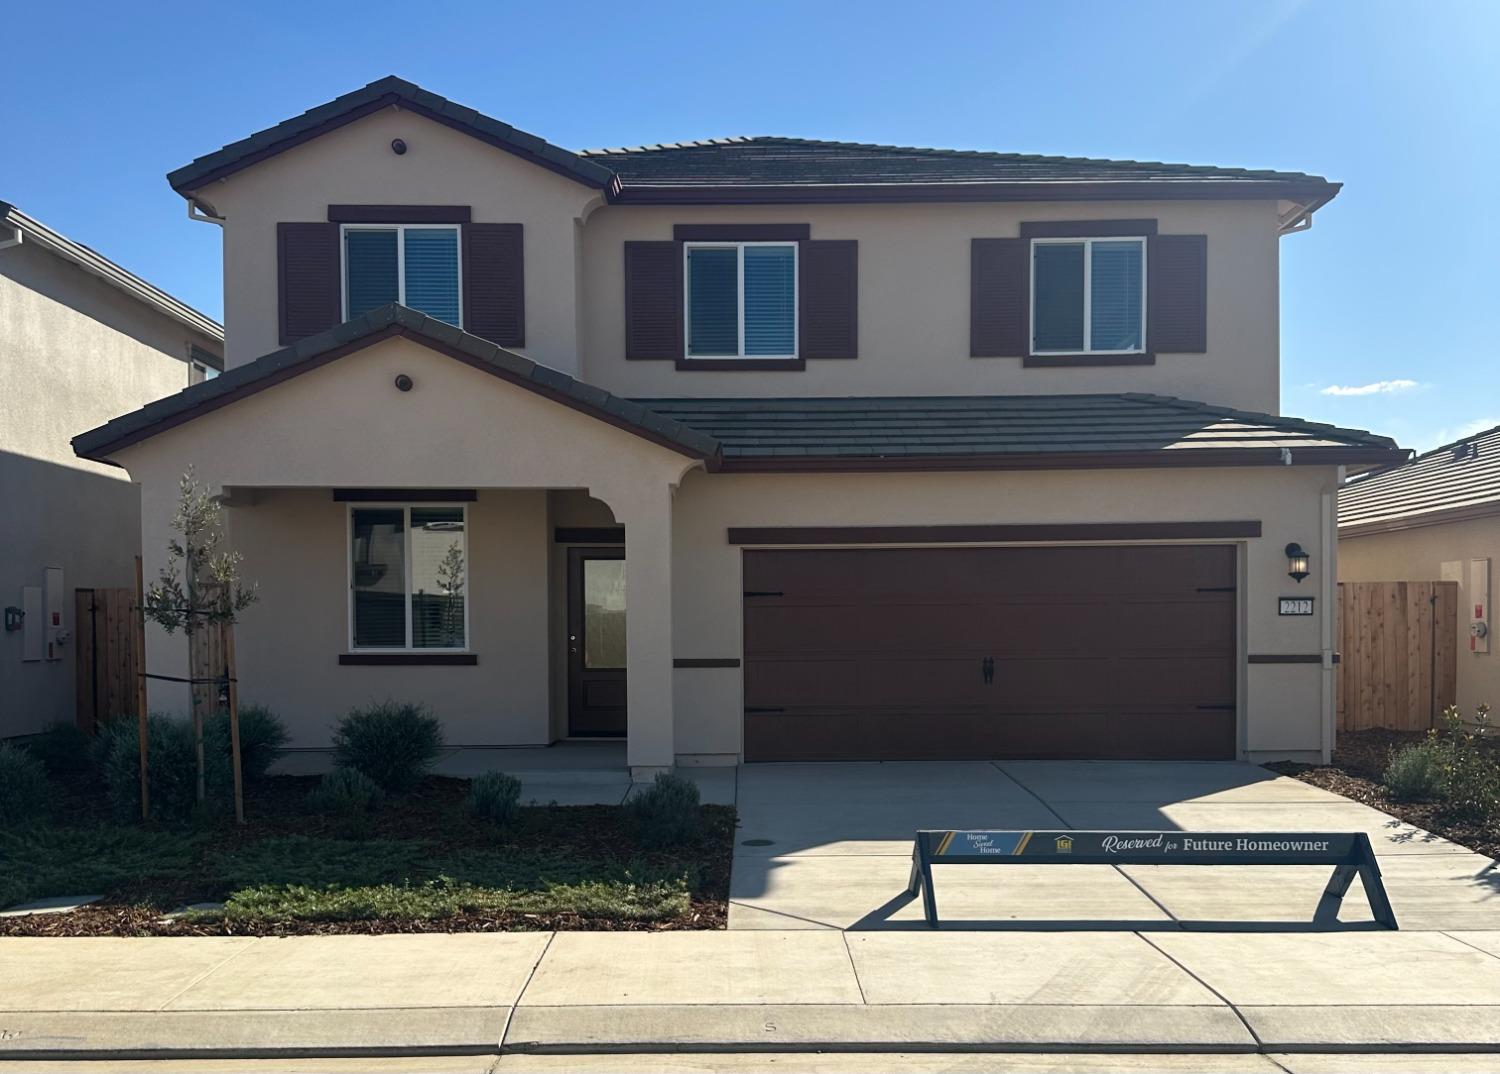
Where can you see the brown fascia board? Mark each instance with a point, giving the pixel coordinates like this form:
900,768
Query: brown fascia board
1144,190
354,336
1440,517
1060,460
985,534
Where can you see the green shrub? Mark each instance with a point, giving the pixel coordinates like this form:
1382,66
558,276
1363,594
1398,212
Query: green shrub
1415,773
1469,773
172,760
64,748
496,797
391,742
24,791
348,796
262,734
666,812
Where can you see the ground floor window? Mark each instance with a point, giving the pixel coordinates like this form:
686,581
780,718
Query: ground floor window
408,569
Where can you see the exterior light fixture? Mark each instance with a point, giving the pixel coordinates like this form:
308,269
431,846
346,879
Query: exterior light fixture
1296,561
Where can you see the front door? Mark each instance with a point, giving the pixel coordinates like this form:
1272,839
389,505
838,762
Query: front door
596,641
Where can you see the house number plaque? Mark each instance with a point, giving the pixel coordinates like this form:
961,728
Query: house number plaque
1295,606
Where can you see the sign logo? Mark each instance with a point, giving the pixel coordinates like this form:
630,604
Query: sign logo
1064,844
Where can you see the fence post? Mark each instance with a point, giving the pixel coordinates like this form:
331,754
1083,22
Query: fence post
142,723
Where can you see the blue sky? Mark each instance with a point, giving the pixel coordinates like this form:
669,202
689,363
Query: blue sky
1390,299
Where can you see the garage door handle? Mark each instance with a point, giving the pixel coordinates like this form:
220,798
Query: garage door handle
987,670
764,710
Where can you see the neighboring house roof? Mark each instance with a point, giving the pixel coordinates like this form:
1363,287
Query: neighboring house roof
877,433
365,331
1006,432
768,169
808,165
379,94
1448,484
26,229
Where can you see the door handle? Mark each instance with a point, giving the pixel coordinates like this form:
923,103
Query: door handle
987,670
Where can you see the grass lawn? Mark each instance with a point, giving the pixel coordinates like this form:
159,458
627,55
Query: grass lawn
423,864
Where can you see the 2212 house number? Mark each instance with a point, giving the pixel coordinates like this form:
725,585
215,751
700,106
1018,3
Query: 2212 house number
1295,606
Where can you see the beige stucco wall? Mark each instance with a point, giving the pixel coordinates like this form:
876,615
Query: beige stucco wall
914,304
355,165
1285,708
74,352
345,425
913,271
1434,554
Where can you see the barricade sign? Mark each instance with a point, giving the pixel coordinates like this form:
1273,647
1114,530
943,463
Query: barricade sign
1349,853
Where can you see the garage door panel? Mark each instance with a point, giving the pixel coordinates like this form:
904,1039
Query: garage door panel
1095,652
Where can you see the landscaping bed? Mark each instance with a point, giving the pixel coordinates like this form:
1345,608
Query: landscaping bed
422,863
1358,762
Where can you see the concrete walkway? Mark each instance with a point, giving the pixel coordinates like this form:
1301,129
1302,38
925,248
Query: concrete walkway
790,991
828,846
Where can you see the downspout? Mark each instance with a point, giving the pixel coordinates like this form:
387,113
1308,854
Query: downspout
1328,621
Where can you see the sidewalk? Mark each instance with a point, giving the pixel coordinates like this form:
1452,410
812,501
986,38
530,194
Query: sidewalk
763,991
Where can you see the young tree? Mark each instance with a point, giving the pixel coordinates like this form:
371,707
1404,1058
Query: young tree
198,588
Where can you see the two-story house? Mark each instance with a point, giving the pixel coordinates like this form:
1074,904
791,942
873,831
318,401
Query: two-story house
757,448
81,340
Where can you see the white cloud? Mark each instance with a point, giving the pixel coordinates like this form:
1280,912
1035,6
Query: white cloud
1379,387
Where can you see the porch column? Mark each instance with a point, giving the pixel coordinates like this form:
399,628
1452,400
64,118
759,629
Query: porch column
647,517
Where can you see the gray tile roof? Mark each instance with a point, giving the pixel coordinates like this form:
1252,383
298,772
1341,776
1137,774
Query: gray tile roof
715,168
754,161
1457,480
273,368
755,431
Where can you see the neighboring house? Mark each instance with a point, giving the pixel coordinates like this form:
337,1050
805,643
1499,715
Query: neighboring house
1437,518
905,453
81,339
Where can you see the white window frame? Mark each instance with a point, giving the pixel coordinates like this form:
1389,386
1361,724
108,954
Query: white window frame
1088,290
405,509
687,304
400,230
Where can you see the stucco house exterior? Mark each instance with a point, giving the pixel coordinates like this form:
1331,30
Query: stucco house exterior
756,449
81,340
1436,518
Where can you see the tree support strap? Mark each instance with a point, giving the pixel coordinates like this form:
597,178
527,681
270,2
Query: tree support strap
1350,854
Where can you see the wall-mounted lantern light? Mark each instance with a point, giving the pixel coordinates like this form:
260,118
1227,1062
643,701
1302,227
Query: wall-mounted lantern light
1296,561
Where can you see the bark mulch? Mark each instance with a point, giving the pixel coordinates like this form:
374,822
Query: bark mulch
1359,760
592,840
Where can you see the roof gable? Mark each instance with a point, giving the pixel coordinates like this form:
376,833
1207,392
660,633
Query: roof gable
383,93
374,327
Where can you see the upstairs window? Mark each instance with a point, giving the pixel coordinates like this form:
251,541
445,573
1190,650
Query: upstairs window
416,265
1088,296
407,578
741,300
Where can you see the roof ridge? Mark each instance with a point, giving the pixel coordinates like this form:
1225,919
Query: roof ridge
995,154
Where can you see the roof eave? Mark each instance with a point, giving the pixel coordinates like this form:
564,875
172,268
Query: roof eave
1176,458
1318,192
1438,517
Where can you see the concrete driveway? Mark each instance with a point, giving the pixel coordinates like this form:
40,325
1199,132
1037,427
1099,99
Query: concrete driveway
828,846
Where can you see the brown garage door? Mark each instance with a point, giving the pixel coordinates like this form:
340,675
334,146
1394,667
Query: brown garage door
886,654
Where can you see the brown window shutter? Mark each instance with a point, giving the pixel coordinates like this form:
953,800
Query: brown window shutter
828,298
1177,294
653,300
307,285
997,298
495,283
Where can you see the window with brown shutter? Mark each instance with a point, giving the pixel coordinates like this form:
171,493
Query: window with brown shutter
308,291
653,300
495,283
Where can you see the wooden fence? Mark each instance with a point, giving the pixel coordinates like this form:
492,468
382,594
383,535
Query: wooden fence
104,647
1398,646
